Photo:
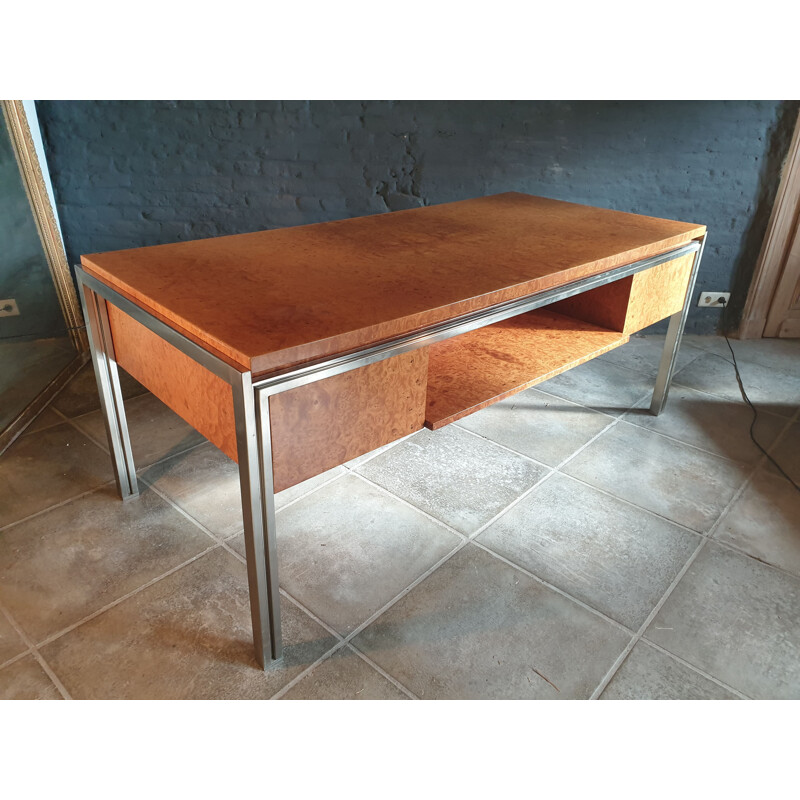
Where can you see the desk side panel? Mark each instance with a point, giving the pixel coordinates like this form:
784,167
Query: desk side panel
320,425
633,303
658,293
198,396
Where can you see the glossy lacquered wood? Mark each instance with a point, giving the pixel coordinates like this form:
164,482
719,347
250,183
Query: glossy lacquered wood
476,369
271,299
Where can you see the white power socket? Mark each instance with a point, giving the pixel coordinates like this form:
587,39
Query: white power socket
8,308
712,299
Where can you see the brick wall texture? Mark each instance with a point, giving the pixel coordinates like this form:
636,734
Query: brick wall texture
135,173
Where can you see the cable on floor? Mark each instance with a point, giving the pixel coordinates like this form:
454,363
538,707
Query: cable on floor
755,412
28,335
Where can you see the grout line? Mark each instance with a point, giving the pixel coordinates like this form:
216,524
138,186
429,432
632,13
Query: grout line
307,671
42,511
637,507
741,552
572,402
103,445
757,403
16,658
554,588
502,446
34,651
340,641
169,501
706,675
28,431
660,340
640,633
474,535
382,671
311,491
685,444
400,595
384,490
374,453
650,617
756,467
52,637
309,613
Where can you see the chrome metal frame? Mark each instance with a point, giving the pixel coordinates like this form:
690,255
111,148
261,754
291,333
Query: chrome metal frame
252,412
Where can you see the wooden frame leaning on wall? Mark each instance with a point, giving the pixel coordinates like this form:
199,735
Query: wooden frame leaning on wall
19,132
759,310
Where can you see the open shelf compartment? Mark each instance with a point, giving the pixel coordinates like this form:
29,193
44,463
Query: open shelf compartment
474,370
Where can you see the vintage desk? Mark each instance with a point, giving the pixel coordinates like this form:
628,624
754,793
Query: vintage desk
295,350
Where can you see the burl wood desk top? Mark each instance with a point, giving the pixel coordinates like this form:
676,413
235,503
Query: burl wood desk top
275,298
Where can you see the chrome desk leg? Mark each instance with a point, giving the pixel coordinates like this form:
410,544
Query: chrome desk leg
95,313
258,507
669,357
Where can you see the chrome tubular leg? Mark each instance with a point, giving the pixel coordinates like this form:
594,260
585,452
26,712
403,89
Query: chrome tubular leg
258,507
105,369
669,357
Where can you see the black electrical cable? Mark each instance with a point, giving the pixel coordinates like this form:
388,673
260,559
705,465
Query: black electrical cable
755,413
28,335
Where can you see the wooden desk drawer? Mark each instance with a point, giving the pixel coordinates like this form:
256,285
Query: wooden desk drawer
633,303
314,427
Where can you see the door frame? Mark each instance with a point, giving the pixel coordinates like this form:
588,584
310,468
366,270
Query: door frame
778,238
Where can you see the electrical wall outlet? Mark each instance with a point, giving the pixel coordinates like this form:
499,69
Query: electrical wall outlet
8,308
712,299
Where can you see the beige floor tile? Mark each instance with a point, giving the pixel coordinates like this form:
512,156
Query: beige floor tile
155,431
459,478
28,367
679,482
787,454
344,676
26,680
649,674
49,467
769,389
643,353
11,644
478,628
765,522
349,548
616,558
186,636
737,620
538,425
600,385
46,419
779,354
80,395
713,423
60,566
204,482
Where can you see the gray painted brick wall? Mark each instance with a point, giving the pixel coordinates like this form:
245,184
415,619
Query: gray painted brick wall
131,173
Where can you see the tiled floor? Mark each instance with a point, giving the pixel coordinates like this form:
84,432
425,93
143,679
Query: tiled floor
561,544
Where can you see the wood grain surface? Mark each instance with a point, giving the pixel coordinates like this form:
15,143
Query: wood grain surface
658,293
272,299
314,427
633,303
200,397
321,425
474,370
